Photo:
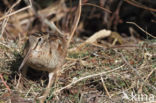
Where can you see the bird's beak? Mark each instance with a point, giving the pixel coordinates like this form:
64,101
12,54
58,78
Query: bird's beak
24,60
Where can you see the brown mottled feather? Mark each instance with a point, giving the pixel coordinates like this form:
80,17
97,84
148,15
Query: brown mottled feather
45,52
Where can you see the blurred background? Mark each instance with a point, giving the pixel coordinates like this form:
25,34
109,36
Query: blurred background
93,19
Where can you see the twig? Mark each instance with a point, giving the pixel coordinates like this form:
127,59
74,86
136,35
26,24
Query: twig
115,16
104,86
140,89
4,23
97,7
76,21
141,29
27,7
28,91
5,83
52,25
129,64
7,46
87,77
150,74
30,2
18,82
45,20
136,4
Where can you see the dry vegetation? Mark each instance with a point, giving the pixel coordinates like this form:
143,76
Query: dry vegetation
106,67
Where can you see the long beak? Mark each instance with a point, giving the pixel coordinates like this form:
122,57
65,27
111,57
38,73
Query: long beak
25,59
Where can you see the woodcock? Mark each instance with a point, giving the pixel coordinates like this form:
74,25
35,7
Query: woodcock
45,52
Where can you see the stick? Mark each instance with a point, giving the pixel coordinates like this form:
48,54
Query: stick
76,21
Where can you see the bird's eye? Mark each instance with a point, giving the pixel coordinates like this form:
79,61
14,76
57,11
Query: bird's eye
39,39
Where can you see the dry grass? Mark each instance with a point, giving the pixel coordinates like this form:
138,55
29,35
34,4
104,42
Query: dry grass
93,75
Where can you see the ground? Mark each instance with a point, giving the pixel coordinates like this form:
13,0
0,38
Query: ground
92,74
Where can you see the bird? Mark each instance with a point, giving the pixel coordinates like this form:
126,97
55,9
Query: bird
45,51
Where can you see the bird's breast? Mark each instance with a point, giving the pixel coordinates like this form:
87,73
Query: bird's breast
42,60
